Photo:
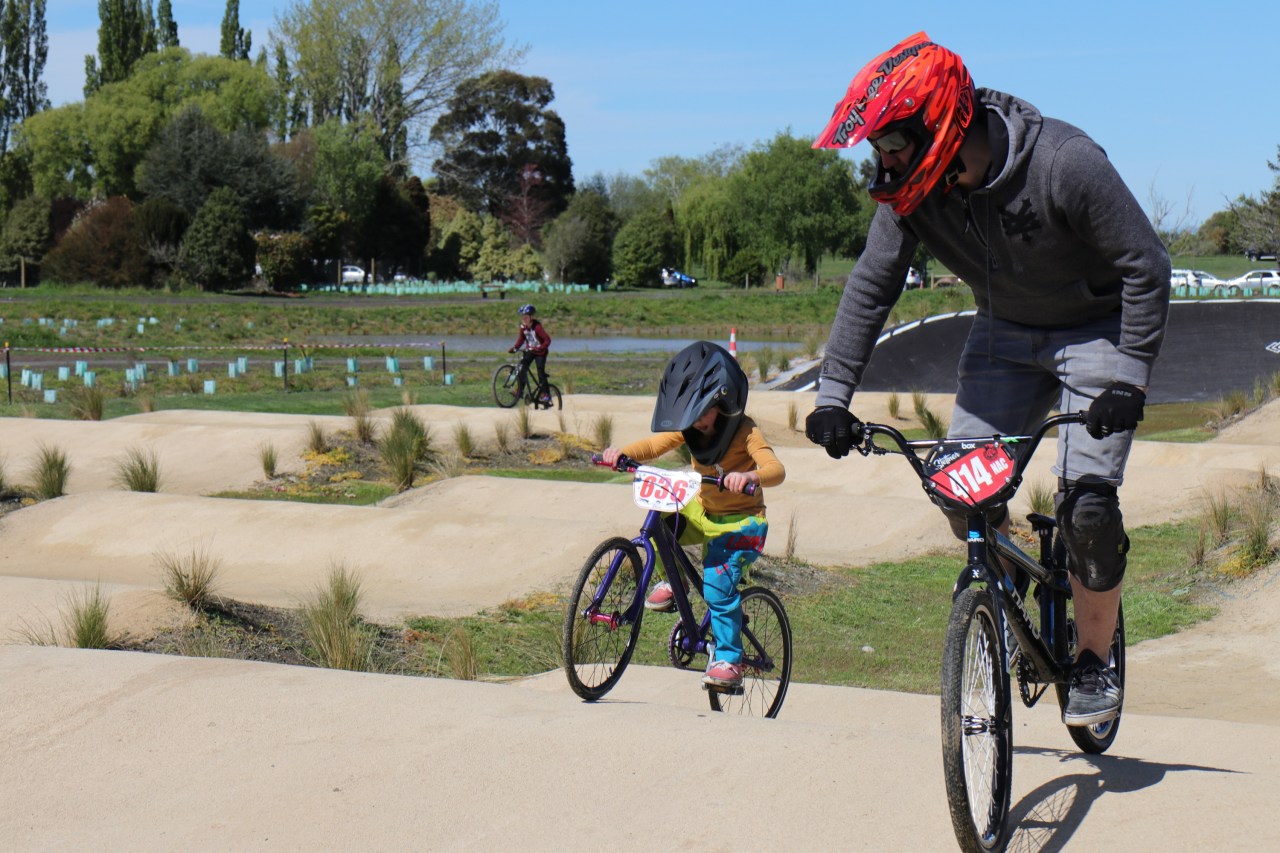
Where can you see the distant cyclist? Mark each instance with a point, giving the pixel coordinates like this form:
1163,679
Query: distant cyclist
1072,288
535,342
701,403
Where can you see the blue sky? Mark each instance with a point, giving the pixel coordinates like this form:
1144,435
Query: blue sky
1182,96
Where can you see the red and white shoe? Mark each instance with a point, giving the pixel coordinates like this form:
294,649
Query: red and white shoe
723,674
661,599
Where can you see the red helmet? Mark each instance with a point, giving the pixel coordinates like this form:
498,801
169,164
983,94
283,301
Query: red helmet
917,87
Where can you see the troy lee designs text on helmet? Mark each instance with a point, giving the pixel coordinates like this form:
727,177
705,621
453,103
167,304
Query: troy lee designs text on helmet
855,119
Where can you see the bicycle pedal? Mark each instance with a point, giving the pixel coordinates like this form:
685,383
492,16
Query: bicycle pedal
728,691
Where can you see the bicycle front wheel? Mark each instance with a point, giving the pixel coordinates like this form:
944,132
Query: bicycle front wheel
602,623
766,658
505,385
977,724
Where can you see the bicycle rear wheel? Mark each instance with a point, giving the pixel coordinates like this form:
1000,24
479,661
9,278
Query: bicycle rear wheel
505,386
766,658
603,620
977,724
1097,738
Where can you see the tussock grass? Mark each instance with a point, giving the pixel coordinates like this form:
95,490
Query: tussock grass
793,536
1218,516
404,445
87,403
459,655
464,440
813,342
139,470
524,422
1040,497
447,466
602,431
356,405
332,626
317,441
190,578
895,406
934,426
1259,513
502,436
85,620
764,361
793,416
269,459
50,473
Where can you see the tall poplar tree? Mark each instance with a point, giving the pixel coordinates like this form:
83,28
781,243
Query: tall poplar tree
166,26
236,40
25,45
126,32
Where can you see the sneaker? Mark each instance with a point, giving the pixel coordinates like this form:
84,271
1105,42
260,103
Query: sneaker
723,674
1095,695
661,598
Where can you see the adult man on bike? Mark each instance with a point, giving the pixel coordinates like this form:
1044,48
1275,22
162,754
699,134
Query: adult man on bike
536,343
1071,285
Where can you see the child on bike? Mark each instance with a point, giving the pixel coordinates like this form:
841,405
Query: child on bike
701,403
536,342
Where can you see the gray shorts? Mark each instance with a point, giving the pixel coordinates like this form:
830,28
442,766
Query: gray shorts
1012,376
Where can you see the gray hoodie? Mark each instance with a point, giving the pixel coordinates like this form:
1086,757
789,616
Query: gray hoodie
1053,240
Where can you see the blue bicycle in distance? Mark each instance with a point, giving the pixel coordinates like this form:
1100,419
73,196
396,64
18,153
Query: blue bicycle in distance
606,607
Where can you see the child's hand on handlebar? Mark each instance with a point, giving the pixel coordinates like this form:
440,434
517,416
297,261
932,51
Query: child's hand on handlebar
610,456
738,481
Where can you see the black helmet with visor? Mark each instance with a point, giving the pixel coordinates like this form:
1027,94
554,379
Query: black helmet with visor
701,376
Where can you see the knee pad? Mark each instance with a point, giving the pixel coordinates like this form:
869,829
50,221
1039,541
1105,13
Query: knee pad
1093,530
959,520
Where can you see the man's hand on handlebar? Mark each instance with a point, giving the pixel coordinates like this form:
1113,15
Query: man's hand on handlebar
834,428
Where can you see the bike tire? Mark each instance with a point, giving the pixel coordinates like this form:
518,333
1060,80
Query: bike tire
597,641
557,400
766,657
1098,738
506,386
977,724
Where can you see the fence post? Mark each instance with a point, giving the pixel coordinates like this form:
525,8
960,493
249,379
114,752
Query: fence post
8,372
286,364
444,362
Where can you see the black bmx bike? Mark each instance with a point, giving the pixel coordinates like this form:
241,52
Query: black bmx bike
606,607
511,384
1000,629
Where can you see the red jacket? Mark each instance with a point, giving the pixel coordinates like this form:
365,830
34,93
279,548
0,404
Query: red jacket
534,339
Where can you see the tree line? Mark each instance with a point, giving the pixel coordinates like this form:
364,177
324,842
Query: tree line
186,170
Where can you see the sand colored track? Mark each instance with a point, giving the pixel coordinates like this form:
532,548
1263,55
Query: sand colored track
118,750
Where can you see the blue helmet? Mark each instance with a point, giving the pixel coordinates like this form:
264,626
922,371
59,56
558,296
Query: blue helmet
528,309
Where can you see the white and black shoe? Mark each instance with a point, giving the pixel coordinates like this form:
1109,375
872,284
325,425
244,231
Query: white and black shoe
1095,694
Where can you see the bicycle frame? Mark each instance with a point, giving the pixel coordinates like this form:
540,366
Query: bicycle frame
1036,645
658,540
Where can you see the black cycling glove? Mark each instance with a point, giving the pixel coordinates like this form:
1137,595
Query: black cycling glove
1115,410
835,428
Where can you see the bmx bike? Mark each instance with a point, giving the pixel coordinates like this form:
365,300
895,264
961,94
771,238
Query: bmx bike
991,633
606,607
511,385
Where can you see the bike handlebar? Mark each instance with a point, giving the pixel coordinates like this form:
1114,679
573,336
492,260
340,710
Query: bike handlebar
911,448
626,464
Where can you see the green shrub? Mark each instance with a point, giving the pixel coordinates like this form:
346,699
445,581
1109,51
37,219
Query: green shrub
102,247
218,251
643,246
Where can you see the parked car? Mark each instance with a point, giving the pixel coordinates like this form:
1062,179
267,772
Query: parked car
1195,278
914,278
352,275
1255,279
675,278
1259,255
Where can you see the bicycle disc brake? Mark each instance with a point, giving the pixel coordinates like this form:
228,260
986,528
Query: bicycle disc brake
676,653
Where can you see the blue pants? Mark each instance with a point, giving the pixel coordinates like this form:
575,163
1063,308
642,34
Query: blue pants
731,543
